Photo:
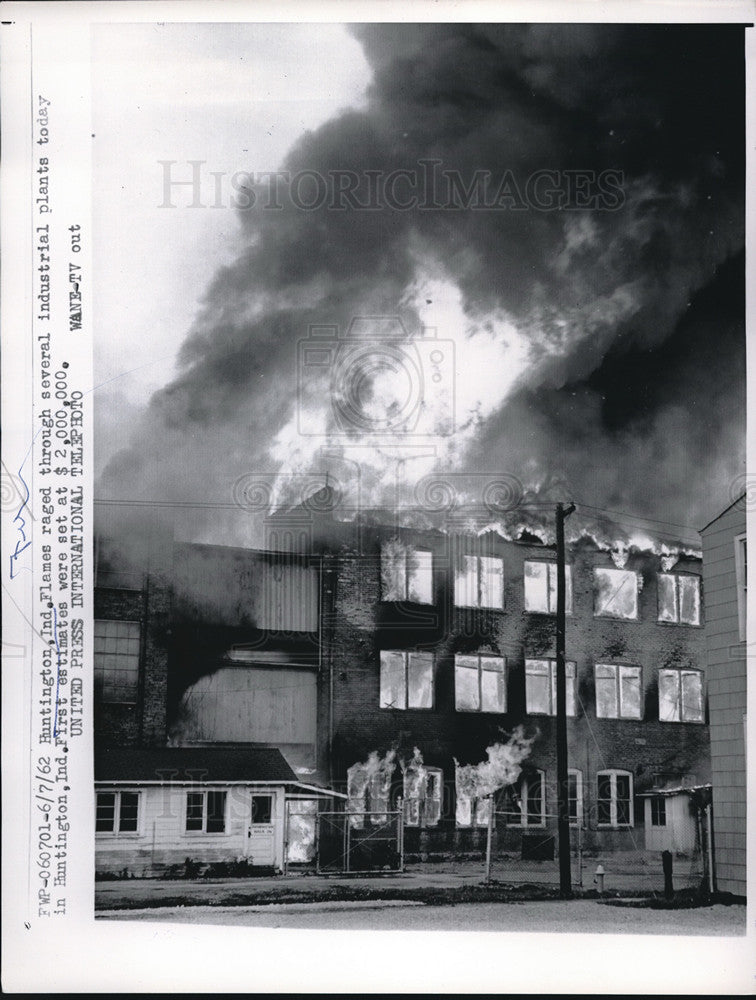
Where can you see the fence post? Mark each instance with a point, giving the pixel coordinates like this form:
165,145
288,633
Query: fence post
710,848
347,838
317,844
667,869
490,836
400,831
287,815
580,854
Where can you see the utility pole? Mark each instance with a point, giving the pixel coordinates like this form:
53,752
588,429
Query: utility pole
563,821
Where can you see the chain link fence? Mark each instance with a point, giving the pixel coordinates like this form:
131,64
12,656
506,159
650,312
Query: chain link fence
359,843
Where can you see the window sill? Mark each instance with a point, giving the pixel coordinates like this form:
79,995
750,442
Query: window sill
681,624
108,835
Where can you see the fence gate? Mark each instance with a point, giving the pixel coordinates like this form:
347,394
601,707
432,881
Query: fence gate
359,843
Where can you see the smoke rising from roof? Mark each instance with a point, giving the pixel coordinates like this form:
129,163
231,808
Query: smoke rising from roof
601,348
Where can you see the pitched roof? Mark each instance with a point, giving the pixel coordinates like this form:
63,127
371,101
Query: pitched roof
722,512
191,764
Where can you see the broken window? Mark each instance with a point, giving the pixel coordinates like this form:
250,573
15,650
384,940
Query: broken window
117,812
618,691
368,790
480,683
406,573
116,661
206,812
472,809
616,593
679,598
541,587
615,798
525,802
423,792
540,687
406,679
658,811
479,582
681,696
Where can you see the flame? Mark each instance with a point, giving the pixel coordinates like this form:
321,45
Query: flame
502,767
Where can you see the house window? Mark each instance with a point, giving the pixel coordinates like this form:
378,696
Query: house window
406,679
480,683
618,691
479,582
368,789
658,811
406,573
526,804
681,696
741,576
116,661
472,810
117,812
679,598
540,687
541,587
262,809
616,593
423,793
575,797
615,798
205,812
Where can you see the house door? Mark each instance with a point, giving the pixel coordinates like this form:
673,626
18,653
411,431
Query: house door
260,835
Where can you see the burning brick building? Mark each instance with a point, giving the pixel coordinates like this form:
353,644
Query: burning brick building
386,662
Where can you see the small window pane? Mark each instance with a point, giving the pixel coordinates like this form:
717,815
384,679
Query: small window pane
393,571
466,582
491,582
690,600
463,811
129,814
667,597
105,812
658,811
420,680
194,802
493,684
623,799
606,691
604,801
669,696
393,690
466,692
420,576
537,687
482,811
262,808
692,696
536,586
630,692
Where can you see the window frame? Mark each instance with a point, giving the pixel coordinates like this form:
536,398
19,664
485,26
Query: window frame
405,573
680,672
613,774
205,793
678,620
118,793
741,582
406,654
423,821
658,811
618,668
481,657
610,614
568,587
578,821
101,698
478,578
521,795
552,686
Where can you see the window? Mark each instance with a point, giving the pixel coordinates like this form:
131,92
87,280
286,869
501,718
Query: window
616,593
741,576
205,812
618,691
658,811
368,788
116,661
575,797
480,683
526,804
679,598
681,696
541,587
540,687
423,793
262,809
472,810
479,582
615,798
117,812
406,573
406,679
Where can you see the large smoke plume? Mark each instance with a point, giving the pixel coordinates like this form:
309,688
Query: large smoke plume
602,349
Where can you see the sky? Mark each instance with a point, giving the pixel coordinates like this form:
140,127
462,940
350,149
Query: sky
573,328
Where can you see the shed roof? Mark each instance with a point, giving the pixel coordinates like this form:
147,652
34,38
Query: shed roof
202,765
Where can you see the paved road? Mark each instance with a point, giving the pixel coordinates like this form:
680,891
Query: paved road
586,916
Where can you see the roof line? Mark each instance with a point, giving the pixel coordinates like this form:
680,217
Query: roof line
722,512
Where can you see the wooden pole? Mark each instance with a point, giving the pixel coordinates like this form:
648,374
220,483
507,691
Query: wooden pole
563,819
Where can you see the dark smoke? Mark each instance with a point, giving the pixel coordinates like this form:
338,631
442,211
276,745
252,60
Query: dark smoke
635,396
